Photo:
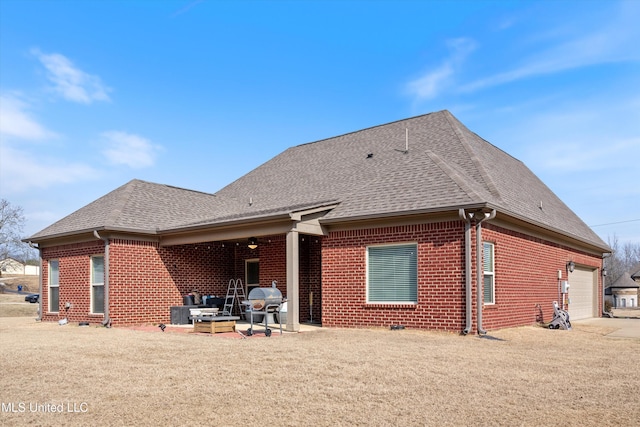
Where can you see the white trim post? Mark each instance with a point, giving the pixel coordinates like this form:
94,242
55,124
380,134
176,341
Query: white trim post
293,282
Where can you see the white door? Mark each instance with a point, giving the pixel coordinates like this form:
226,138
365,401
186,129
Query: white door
582,293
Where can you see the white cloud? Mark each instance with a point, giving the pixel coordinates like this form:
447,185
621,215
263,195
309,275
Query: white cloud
574,156
70,82
21,171
129,149
16,121
615,42
575,135
435,80
186,8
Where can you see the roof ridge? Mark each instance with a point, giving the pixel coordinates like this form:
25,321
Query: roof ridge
372,127
453,175
171,186
123,197
455,126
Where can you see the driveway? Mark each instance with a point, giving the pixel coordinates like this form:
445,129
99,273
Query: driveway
625,328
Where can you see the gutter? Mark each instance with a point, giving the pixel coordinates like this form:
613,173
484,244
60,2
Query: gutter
89,231
480,216
486,216
39,278
603,275
467,269
487,207
107,321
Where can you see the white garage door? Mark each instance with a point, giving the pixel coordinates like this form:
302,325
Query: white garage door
582,293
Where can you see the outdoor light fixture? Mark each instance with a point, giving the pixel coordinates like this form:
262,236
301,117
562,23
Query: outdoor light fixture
253,243
571,266
604,271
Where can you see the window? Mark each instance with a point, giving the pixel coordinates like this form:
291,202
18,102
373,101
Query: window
489,273
252,273
54,286
392,274
97,284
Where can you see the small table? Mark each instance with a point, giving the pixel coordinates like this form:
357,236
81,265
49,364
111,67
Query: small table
214,324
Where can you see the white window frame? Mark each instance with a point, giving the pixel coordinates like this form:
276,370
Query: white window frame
370,300
489,273
95,284
55,285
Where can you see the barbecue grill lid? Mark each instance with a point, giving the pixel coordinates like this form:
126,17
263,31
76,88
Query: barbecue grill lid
259,298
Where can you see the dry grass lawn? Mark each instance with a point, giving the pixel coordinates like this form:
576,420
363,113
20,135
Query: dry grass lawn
521,376
29,283
13,305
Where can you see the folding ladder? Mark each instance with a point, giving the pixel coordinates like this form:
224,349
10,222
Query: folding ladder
235,296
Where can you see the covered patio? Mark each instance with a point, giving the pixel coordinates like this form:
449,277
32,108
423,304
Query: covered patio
285,248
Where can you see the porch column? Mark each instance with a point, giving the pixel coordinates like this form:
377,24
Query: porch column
293,283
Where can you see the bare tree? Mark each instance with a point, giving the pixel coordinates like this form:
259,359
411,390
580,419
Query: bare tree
11,225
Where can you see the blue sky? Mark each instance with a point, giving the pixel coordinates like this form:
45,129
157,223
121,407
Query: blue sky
197,93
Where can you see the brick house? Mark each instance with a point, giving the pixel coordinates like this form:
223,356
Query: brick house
418,222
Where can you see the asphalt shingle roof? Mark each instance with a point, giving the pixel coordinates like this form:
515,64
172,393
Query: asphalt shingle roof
367,172
624,281
138,205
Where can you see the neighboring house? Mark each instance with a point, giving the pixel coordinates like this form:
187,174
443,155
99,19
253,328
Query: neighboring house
625,291
419,222
10,266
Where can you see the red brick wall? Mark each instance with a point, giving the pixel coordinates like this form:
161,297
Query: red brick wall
75,281
204,267
440,278
310,278
526,278
144,280
272,252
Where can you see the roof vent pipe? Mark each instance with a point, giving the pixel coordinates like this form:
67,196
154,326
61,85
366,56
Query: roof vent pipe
107,321
406,140
480,217
467,270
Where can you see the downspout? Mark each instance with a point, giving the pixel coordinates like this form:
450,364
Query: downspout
479,269
467,270
39,279
107,321
604,276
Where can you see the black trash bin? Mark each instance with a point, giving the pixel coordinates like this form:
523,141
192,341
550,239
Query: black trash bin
188,300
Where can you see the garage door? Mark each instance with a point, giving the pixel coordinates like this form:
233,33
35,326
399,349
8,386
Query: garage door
582,293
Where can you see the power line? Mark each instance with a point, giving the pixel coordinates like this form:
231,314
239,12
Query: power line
613,223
